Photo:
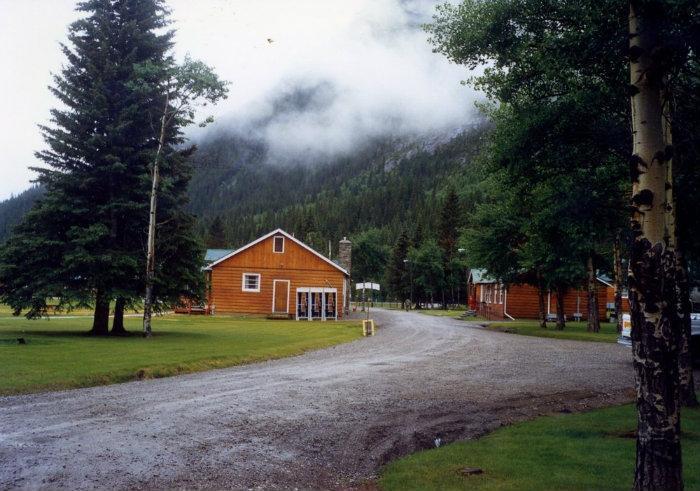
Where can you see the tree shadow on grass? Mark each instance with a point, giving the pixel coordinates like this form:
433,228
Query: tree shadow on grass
35,336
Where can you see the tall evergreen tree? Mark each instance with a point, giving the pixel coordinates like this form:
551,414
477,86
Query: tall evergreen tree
86,234
427,263
369,256
91,169
448,234
397,274
216,235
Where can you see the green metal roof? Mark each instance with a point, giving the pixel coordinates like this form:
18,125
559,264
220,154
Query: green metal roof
480,276
216,254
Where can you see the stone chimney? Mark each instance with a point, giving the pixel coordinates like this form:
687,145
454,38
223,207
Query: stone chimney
345,260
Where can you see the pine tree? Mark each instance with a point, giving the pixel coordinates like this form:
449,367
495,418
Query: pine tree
216,236
138,42
86,235
397,274
428,274
85,175
448,234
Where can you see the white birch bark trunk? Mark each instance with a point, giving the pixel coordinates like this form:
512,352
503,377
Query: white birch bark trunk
151,248
653,293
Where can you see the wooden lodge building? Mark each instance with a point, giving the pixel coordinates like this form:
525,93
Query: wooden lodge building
494,300
280,276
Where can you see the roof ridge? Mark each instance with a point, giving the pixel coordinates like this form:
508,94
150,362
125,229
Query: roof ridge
270,234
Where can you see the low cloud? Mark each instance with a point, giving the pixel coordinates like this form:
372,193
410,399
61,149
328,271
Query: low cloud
329,76
365,65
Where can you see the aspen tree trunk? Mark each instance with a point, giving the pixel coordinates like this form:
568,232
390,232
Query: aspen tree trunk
118,321
652,272
593,320
151,252
100,320
617,257
561,319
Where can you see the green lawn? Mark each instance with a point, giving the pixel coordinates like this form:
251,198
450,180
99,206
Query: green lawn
593,450
58,355
441,312
573,330
449,313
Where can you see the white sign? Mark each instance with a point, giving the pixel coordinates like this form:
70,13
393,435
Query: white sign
626,326
367,286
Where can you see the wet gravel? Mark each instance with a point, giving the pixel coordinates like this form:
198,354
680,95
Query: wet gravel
327,419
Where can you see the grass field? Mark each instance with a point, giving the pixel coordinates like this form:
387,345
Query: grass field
593,450
442,312
58,355
449,313
573,330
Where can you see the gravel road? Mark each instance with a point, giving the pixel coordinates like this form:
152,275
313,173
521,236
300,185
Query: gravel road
327,419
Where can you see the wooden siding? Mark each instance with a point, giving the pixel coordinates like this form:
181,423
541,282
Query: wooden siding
576,301
522,303
301,267
610,298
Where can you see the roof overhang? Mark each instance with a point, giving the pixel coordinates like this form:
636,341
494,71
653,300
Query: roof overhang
278,231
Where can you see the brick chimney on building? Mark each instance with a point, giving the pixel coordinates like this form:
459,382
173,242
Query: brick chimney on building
345,260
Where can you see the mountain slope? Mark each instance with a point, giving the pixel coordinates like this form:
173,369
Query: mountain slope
391,184
13,209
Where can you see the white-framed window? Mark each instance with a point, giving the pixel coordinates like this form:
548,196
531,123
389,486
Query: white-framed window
278,244
251,282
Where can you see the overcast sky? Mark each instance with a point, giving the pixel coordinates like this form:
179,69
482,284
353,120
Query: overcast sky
370,59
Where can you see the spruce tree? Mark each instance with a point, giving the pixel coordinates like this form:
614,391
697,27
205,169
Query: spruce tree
216,236
448,234
397,274
86,235
82,176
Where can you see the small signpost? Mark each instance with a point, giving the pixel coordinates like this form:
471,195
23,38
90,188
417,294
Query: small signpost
368,327
367,324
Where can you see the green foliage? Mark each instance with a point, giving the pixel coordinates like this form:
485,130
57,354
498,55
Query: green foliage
557,156
369,256
686,162
451,219
535,50
426,265
574,330
85,236
398,281
216,236
389,185
14,208
188,86
552,452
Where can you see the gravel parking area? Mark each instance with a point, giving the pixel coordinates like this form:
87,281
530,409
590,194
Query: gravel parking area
327,419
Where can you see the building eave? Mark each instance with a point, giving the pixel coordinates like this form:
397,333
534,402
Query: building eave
278,231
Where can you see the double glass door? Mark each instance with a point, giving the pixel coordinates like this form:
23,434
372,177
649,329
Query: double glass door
316,304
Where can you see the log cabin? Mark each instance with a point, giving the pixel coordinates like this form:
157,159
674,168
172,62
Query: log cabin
279,276
495,300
